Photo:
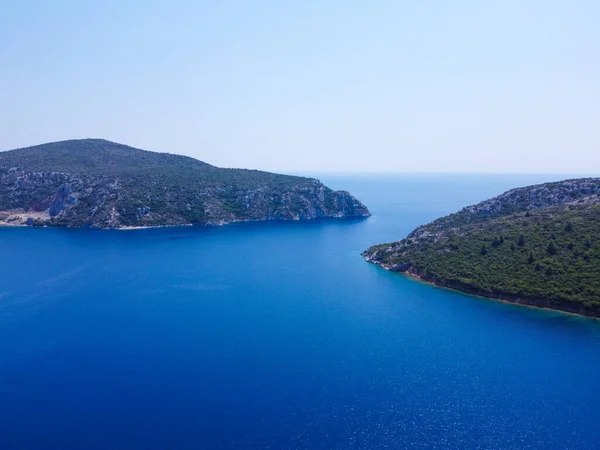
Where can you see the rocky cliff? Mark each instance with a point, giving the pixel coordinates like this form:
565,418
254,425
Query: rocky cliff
100,184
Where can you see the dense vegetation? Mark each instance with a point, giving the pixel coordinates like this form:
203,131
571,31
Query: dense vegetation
542,255
97,183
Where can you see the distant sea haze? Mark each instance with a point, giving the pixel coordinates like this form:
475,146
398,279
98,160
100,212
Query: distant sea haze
279,335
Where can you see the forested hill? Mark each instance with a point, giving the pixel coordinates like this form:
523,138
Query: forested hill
538,245
101,184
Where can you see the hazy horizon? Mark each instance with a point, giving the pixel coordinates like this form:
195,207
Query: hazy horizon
312,87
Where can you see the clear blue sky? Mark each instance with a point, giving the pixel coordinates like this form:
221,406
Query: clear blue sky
329,85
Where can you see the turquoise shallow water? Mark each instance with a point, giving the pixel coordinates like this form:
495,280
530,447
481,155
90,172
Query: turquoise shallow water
279,335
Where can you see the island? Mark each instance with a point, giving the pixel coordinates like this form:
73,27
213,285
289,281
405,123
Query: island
537,245
95,183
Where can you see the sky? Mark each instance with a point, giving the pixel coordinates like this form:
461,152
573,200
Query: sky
322,86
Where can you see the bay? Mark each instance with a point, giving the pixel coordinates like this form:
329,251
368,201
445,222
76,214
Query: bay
278,335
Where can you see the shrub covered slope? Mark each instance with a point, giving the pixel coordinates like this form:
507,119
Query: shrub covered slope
538,245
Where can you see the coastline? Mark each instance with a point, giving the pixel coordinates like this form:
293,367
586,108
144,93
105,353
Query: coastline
19,218
133,228
221,223
524,302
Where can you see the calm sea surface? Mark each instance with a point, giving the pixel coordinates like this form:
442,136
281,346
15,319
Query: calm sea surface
280,336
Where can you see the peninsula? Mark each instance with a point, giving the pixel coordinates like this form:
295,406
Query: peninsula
96,183
538,245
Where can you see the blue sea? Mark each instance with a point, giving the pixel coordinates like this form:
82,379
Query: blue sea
279,336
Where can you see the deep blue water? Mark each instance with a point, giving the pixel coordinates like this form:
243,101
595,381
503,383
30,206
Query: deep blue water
279,335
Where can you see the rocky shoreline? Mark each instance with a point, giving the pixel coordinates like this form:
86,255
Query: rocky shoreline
560,306
22,219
